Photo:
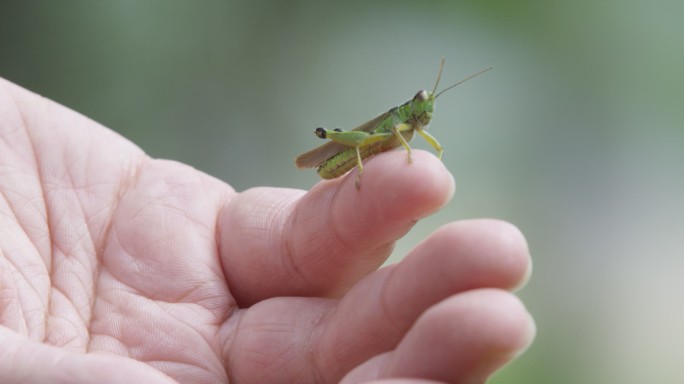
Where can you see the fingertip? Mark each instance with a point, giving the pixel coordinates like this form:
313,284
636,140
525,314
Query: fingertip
476,253
512,242
464,338
502,329
512,327
494,321
393,194
397,187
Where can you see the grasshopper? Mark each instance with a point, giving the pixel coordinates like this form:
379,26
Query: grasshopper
387,131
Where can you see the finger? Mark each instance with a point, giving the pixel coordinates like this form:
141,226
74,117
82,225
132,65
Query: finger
374,316
270,342
283,243
463,339
25,361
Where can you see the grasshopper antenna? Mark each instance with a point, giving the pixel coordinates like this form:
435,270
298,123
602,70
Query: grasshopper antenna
478,73
439,74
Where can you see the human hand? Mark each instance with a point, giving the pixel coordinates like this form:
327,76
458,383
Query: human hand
119,268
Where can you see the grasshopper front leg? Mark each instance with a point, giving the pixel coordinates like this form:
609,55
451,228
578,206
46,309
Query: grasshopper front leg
432,141
397,130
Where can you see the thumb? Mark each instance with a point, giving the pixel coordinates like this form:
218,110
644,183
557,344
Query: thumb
26,361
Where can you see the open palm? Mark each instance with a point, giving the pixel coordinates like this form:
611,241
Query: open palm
119,268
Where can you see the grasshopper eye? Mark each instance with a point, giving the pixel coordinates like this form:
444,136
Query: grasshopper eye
421,95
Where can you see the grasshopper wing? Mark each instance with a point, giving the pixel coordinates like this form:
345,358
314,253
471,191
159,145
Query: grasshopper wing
318,155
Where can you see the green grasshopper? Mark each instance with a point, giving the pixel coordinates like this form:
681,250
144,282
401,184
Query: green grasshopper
383,133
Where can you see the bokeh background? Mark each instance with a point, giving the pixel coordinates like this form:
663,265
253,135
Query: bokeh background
577,136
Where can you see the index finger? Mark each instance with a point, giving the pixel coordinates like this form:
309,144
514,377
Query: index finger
280,242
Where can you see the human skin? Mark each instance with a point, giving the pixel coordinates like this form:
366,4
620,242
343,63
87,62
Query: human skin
119,268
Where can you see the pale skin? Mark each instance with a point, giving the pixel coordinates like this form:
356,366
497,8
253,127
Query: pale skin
119,268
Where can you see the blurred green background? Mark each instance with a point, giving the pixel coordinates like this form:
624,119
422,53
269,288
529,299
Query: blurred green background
577,136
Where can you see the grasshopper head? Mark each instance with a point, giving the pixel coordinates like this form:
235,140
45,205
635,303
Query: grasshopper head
423,106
